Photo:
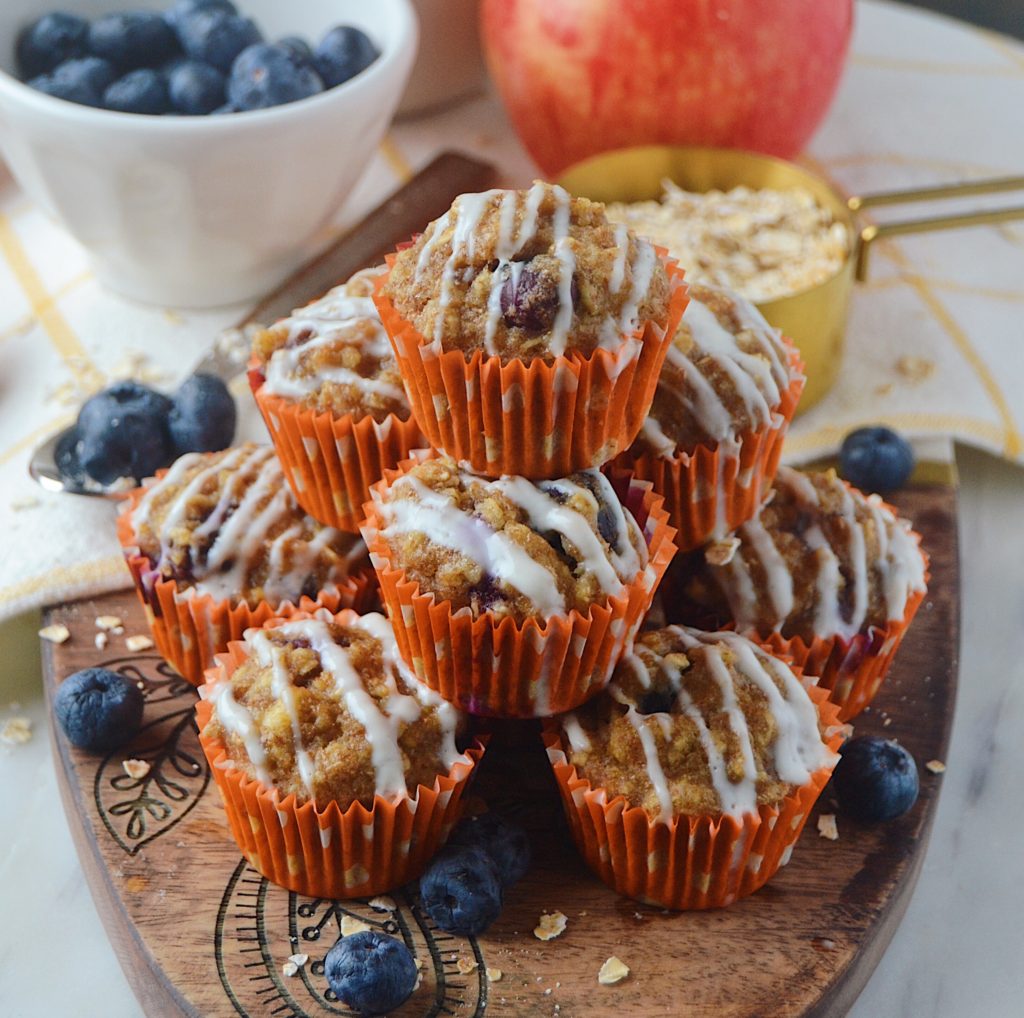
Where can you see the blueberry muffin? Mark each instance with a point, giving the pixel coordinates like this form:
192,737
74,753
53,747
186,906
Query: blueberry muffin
327,712
334,355
510,547
226,524
725,373
821,560
527,274
697,723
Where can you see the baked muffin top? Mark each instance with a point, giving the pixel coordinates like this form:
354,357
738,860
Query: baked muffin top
226,524
334,355
724,374
510,546
326,712
525,274
698,723
821,559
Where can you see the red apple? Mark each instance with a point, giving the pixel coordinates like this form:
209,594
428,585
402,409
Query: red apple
584,76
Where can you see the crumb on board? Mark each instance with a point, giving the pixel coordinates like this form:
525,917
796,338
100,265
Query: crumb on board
289,968
383,903
138,643
550,925
136,768
24,502
101,641
16,731
465,965
493,975
57,632
915,369
827,826
108,622
612,971
935,766
350,924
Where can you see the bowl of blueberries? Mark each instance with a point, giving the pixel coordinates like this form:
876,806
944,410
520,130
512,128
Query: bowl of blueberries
196,148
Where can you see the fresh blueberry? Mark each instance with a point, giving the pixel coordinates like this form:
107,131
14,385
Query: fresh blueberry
203,415
134,39
50,41
875,779
141,91
65,455
461,891
876,459
186,8
81,80
371,972
98,709
506,844
217,37
267,75
342,53
195,88
298,46
123,432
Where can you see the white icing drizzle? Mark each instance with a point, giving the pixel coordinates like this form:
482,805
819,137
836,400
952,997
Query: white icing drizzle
567,263
899,566
435,515
237,527
382,721
758,379
618,276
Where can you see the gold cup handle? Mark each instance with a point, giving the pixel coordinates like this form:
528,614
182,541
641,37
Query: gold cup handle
869,234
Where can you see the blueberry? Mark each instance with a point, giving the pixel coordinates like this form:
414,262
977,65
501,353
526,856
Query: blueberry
98,709
505,843
195,88
186,8
267,75
216,37
50,41
141,91
371,972
203,415
876,459
461,891
875,779
123,432
82,80
65,456
342,53
298,46
134,39
530,299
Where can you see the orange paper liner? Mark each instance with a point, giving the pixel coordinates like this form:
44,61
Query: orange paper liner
331,461
500,668
693,862
538,420
327,852
190,628
709,494
850,670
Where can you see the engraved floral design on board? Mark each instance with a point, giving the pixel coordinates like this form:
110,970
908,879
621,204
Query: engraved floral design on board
136,808
261,928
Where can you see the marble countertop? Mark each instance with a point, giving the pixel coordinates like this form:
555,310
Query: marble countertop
956,953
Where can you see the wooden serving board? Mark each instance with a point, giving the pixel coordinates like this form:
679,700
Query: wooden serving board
199,932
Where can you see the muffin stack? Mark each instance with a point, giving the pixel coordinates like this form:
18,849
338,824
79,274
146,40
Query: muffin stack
518,412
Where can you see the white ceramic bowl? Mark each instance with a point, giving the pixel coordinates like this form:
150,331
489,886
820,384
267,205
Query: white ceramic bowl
200,211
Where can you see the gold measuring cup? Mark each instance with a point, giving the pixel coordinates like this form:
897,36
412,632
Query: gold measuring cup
814,318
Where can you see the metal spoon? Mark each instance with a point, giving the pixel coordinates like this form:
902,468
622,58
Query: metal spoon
50,461
423,198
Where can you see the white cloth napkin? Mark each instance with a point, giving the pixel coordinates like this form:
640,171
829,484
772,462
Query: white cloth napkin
935,344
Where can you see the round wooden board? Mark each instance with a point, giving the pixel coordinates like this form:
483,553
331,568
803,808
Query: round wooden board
199,932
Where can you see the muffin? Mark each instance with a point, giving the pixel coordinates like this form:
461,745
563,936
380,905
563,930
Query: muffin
339,771
218,544
726,394
512,597
688,781
824,574
529,330
326,382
